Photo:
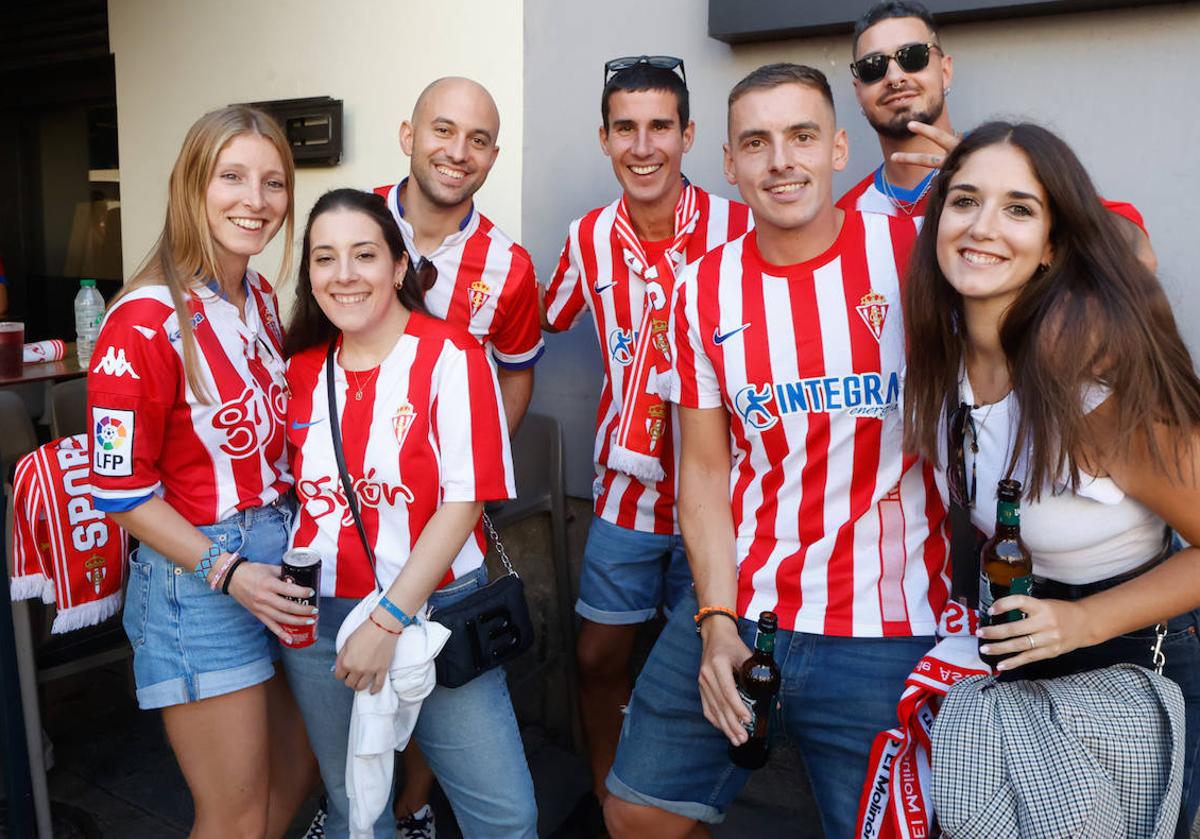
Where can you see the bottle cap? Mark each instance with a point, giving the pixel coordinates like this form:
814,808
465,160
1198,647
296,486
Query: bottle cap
1008,489
87,283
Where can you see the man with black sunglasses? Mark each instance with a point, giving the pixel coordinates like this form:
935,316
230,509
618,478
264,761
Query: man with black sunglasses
620,262
901,75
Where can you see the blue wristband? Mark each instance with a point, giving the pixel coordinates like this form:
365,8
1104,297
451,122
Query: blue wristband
396,612
206,562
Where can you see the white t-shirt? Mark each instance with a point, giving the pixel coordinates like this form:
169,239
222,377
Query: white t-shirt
1076,537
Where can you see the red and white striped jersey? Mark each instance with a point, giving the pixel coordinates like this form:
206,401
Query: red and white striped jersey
866,197
428,429
594,273
485,283
152,434
833,521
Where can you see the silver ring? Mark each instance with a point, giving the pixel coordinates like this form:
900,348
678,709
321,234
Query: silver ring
1032,643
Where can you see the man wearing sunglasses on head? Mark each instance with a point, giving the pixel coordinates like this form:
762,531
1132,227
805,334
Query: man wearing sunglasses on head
620,262
902,77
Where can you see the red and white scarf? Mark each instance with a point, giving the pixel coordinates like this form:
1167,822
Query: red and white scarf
643,411
65,551
895,802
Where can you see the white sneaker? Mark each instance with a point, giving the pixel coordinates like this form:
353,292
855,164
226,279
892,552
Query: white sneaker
418,825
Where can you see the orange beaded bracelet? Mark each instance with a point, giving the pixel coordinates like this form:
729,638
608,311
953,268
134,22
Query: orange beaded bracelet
708,611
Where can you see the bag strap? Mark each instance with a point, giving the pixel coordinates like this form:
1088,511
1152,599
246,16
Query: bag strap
335,431
495,537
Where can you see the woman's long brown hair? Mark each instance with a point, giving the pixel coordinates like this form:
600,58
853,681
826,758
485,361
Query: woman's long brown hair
1095,315
185,249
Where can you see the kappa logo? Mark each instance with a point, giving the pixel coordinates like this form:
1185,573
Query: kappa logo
873,309
115,364
620,346
112,442
751,404
479,293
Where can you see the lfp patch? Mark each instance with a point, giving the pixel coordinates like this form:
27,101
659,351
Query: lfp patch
112,442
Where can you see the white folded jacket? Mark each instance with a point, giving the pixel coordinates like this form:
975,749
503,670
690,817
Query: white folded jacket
382,723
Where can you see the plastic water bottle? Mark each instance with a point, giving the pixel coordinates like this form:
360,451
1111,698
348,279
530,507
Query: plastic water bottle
89,312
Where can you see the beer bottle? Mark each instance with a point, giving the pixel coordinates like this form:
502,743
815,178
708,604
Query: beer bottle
758,682
1005,563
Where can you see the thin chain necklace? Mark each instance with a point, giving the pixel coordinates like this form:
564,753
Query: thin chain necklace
906,207
358,385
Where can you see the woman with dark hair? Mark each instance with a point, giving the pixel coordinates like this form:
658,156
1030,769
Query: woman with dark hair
425,444
1051,352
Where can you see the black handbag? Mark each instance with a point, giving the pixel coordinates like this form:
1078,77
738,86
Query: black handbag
490,626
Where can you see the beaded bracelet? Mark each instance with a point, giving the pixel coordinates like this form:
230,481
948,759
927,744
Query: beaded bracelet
371,618
397,613
707,612
229,574
215,580
206,561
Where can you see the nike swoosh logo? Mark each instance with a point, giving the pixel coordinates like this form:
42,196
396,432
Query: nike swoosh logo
297,425
719,338
600,289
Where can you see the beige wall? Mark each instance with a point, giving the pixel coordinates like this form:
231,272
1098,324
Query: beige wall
176,59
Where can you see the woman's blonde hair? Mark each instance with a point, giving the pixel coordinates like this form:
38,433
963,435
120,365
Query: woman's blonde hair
185,250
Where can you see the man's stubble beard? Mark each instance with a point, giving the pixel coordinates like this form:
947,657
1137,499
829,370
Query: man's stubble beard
897,128
433,191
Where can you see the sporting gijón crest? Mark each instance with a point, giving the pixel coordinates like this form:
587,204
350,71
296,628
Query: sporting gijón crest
873,309
480,292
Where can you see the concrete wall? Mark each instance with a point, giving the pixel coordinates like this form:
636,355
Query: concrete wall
176,60
1117,85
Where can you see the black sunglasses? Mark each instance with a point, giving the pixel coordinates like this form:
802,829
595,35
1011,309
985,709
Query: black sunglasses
662,62
912,58
960,485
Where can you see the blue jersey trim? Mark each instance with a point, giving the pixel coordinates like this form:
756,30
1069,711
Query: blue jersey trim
521,365
119,505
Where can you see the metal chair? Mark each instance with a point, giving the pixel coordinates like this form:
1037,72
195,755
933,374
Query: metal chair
539,467
68,408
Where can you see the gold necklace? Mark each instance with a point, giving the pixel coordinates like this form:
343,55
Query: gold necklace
360,385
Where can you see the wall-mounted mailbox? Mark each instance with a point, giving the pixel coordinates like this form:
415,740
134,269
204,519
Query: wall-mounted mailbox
313,127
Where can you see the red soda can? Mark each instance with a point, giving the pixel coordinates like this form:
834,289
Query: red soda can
302,566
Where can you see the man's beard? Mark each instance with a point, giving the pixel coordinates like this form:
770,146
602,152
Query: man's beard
897,127
435,192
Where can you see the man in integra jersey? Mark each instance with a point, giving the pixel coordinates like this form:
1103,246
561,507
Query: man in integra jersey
794,493
620,262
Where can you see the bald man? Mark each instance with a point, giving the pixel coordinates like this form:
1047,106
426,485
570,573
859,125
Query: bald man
485,281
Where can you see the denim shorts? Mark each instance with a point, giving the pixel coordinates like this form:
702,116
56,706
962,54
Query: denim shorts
192,643
629,574
469,734
836,694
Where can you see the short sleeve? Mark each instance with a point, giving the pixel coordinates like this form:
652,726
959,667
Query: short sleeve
693,382
564,301
472,433
133,381
517,343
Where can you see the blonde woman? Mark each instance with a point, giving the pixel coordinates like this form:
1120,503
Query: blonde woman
186,405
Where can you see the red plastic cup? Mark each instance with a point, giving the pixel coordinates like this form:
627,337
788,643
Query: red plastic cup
12,344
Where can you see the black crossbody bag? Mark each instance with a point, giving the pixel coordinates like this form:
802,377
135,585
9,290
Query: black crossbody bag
490,626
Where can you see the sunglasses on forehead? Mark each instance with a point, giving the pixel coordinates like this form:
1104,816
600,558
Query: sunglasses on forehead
911,58
662,62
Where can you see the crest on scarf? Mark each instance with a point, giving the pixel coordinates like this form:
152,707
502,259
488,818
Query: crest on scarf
655,423
658,334
95,571
479,293
873,309
402,420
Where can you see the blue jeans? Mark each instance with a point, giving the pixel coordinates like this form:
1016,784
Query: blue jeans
189,642
469,734
1182,651
836,694
628,574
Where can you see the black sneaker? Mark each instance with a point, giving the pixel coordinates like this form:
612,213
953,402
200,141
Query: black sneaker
316,829
418,825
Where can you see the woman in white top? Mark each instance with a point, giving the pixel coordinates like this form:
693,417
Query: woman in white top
1054,353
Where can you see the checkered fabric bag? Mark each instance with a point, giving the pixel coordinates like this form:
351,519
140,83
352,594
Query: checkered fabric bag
1096,754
